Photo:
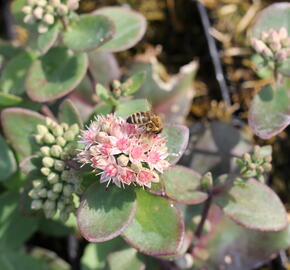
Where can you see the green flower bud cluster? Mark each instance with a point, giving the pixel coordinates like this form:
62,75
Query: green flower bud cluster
54,190
254,165
45,12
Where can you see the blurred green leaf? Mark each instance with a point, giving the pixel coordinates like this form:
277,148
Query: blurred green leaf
177,139
126,259
130,27
104,95
254,206
68,113
54,228
103,215
89,33
126,108
95,254
17,260
132,84
14,228
262,69
7,100
8,164
55,74
157,228
12,80
183,185
269,111
19,125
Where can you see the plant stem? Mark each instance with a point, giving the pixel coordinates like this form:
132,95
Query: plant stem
205,212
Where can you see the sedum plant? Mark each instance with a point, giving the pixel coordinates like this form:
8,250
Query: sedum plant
270,39
72,166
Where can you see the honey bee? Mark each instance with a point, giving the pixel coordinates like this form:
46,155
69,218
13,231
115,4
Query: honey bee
151,122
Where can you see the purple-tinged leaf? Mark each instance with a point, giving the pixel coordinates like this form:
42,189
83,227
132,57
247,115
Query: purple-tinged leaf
103,215
177,139
126,259
157,228
19,125
49,78
254,206
130,26
68,113
269,112
183,185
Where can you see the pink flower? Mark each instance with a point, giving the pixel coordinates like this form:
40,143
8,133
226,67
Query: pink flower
122,152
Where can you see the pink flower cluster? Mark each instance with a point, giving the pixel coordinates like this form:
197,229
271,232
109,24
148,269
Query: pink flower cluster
123,152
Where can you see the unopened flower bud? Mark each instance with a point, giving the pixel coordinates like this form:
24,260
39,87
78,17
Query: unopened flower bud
64,156
136,167
65,175
57,187
55,3
48,18
27,9
42,29
49,205
281,55
49,9
38,13
73,4
285,42
273,36
264,36
267,167
45,171
31,2
36,204
247,157
275,46
39,139
33,194
42,193
48,162
37,183
52,195
206,181
52,178
283,33
257,149
75,129
45,151
41,3
57,130
48,138
64,126
62,9
56,151
268,158
252,166
123,160
67,190
59,165
60,141
68,135
260,169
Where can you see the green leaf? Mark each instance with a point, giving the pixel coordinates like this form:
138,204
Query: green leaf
50,258
130,27
102,109
7,161
54,228
89,33
269,111
19,125
95,254
14,229
13,77
55,74
183,185
68,113
7,100
177,139
103,215
157,228
134,83
254,206
104,95
285,68
262,69
274,16
17,260
126,259
126,108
